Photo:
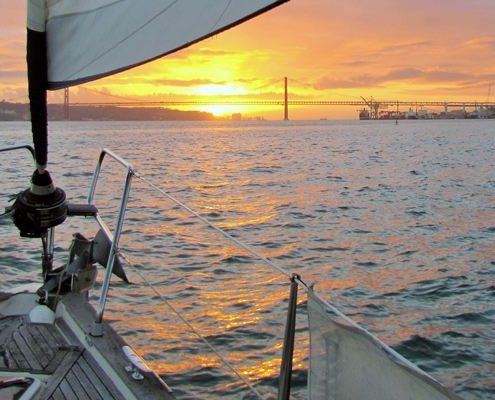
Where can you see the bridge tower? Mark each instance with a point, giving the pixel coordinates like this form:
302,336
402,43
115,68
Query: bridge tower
286,101
66,104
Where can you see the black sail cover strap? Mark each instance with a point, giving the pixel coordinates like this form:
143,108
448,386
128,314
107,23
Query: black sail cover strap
37,82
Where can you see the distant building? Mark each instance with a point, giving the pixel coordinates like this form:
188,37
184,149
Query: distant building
236,117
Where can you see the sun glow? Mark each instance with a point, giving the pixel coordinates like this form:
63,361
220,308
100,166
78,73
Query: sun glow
219,90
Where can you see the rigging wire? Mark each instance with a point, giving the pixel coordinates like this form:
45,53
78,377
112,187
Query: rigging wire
297,278
226,235
214,227
302,284
191,327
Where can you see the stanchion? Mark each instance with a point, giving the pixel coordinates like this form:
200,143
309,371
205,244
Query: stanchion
288,350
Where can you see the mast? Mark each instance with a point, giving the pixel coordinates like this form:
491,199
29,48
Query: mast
42,206
37,68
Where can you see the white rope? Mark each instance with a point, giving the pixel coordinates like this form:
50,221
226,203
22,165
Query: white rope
216,228
191,327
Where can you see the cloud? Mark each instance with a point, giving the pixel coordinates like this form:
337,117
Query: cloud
481,42
17,94
410,75
356,63
401,48
400,75
12,53
185,83
447,76
329,83
12,74
206,51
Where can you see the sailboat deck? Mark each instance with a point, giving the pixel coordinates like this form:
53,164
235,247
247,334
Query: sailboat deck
68,365
40,349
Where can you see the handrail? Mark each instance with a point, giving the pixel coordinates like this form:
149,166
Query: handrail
97,328
96,174
19,147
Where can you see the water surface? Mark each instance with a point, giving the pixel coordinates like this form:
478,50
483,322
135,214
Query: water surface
394,224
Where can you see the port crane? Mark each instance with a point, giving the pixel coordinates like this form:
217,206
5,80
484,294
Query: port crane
373,106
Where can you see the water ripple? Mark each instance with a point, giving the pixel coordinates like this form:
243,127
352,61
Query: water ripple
393,223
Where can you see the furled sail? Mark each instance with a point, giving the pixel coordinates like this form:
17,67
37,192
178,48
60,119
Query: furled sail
90,39
348,363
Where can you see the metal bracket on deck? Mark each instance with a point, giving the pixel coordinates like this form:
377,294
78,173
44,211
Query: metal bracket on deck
138,367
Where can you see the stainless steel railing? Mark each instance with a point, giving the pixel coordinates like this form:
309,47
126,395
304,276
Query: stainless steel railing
97,328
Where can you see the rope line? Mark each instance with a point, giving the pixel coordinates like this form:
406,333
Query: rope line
191,327
216,228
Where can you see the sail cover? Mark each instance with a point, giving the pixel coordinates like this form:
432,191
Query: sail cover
90,39
348,363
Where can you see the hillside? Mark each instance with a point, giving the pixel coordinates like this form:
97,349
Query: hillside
20,112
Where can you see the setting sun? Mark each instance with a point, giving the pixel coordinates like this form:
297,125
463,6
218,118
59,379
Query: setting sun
221,111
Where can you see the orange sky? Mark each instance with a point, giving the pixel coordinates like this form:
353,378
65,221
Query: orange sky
329,49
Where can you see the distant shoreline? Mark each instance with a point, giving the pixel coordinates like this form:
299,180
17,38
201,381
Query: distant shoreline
56,112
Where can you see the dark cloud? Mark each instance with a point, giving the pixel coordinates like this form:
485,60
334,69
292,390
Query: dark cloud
12,74
401,48
329,83
403,74
447,76
205,51
356,63
400,75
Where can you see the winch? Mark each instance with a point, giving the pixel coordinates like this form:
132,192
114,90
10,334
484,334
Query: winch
39,207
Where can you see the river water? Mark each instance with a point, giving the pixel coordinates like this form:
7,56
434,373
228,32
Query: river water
395,225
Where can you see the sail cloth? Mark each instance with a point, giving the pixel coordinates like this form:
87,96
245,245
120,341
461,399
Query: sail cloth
91,39
75,41
348,363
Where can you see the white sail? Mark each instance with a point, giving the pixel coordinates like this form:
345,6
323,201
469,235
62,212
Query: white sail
90,39
347,363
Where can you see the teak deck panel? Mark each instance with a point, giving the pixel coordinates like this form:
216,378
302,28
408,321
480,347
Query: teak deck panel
53,353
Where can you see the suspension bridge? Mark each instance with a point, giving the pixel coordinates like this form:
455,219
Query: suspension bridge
371,105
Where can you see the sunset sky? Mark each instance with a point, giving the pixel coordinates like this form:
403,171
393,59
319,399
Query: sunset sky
329,49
